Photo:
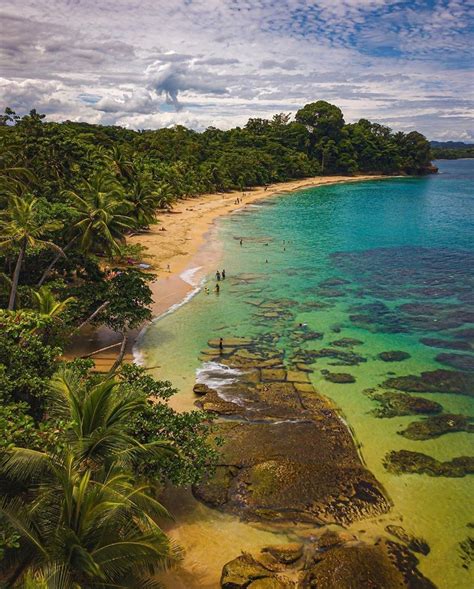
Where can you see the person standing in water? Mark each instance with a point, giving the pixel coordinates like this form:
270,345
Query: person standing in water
241,241
223,274
221,345
218,288
218,276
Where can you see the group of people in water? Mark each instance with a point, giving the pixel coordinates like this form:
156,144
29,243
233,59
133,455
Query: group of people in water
219,276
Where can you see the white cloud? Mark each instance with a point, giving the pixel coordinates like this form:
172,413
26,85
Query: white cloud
213,62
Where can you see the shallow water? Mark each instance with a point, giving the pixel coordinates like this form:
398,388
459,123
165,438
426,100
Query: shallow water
402,254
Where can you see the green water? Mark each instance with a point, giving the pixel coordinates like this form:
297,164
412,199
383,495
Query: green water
390,244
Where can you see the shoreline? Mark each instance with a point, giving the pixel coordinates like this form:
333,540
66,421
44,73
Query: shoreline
180,239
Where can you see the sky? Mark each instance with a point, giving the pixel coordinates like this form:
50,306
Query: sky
155,63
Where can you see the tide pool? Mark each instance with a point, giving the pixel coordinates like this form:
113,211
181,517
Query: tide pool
374,267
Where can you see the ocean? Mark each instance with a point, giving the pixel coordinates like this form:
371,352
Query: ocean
374,267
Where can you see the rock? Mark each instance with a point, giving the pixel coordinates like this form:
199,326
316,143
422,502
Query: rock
466,549
273,374
343,357
213,403
407,462
435,381
230,342
458,361
240,572
415,544
394,356
285,553
297,376
339,377
272,583
385,565
395,404
347,342
279,478
202,389
334,282
433,427
445,343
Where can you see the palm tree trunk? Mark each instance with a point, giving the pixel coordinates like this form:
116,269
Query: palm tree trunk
47,272
94,314
16,276
120,356
20,569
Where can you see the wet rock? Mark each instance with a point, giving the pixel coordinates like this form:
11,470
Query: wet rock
280,478
414,544
436,426
458,361
285,553
395,404
202,389
338,377
407,462
386,565
347,342
445,343
306,336
394,356
213,403
335,564
240,572
435,381
230,342
273,374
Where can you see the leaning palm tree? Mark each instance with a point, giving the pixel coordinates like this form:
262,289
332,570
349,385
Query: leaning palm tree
20,226
103,213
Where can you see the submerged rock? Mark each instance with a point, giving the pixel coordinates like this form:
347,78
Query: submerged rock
445,343
433,427
466,549
435,381
407,462
414,544
338,377
347,342
458,361
396,404
394,356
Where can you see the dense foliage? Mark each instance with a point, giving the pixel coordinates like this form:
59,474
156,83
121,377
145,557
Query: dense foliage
451,150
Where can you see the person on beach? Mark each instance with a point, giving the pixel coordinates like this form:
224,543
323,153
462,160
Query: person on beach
168,268
221,345
223,274
218,288
218,276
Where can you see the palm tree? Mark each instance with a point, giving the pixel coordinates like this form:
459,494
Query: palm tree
103,213
82,517
47,304
98,527
21,226
99,415
144,201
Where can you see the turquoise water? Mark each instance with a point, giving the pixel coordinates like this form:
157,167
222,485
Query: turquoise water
386,262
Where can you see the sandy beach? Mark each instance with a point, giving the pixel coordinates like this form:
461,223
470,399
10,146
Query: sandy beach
177,243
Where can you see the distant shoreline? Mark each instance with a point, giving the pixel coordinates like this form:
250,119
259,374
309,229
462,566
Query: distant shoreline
179,240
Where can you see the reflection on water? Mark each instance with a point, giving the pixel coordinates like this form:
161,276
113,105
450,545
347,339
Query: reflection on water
381,274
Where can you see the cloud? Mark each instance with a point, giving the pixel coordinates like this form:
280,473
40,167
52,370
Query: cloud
211,62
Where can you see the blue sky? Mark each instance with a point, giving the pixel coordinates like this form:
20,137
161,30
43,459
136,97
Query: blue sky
155,63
